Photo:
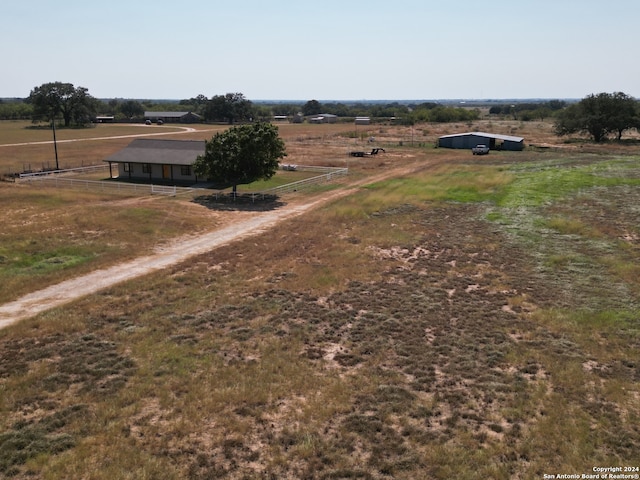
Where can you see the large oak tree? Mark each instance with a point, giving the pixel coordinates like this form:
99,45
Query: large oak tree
51,100
242,154
599,116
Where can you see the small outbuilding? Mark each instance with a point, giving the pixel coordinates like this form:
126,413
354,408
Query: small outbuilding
324,118
471,139
163,161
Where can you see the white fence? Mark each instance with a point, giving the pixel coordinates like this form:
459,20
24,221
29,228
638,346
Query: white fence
164,190
55,178
46,173
329,173
108,186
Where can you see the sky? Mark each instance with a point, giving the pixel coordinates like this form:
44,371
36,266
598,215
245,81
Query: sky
323,50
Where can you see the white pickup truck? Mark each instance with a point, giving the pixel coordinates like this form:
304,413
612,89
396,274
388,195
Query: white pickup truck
480,150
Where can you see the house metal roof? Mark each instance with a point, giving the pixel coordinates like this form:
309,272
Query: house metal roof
169,114
159,152
508,138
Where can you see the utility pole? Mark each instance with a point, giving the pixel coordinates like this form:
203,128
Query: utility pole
55,144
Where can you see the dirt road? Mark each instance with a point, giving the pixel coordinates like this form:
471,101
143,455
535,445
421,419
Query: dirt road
92,139
180,250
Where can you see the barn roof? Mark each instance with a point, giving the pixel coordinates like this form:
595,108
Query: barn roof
169,114
159,152
507,138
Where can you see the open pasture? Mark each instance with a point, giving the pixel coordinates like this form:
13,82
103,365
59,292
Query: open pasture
23,146
473,318
52,234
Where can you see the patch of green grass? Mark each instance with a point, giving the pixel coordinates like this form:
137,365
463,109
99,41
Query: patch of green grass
282,177
569,214
49,262
591,320
26,265
571,226
450,183
623,267
497,217
463,184
537,184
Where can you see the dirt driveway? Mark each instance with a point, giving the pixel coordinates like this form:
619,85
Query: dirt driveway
178,251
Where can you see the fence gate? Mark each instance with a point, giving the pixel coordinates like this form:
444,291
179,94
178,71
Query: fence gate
163,190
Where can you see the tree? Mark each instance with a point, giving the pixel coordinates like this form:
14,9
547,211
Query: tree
131,108
196,104
195,101
242,154
312,107
230,108
52,99
624,114
599,116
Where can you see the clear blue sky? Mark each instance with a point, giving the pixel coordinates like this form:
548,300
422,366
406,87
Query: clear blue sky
323,49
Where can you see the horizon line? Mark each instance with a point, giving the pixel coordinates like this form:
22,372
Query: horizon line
361,100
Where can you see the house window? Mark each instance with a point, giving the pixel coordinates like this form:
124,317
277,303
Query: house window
146,168
127,167
185,170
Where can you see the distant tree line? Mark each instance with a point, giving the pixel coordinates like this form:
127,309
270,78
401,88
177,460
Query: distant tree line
600,116
528,111
15,109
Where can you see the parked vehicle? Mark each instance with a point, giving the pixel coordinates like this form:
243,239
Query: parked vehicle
480,150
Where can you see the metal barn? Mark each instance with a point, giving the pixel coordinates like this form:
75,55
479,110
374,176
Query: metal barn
493,140
173,117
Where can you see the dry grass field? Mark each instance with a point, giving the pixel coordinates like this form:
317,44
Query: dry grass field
475,318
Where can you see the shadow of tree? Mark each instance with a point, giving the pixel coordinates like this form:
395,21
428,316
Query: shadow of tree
242,202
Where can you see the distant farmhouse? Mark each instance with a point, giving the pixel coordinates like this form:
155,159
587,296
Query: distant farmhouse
173,117
471,139
165,161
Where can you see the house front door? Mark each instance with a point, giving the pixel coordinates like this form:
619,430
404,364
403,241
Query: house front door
166,171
